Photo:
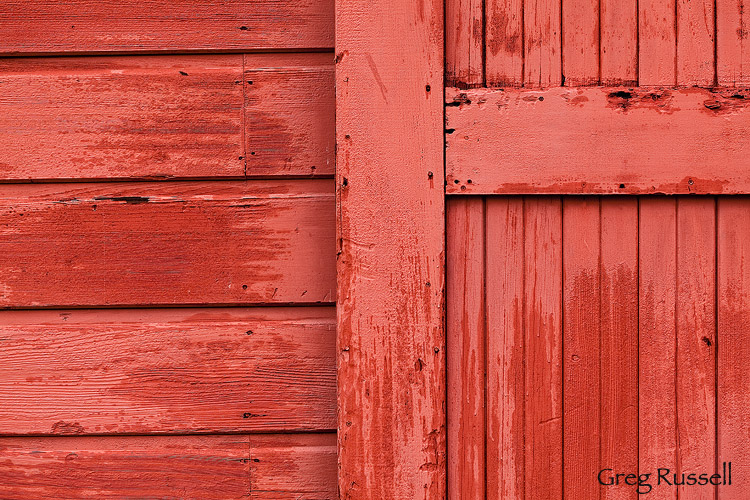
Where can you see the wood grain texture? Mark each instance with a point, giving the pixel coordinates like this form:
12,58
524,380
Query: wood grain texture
504,44
282,467
580,42
619,42
733,309
289,114
695,42
542,43
613,140
102,26
505,347
464,47
657,42
732,46
391,234
618,297
466,346
167,371
166,117
657,364
167,243
543,340
581,386
696,340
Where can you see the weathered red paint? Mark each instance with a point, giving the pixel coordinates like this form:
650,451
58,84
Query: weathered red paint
581,360
215,467
187,243
110,387
597,140
103,26
167,371
166,117
733,314
390,188
581,332
466,348
600,333
505,341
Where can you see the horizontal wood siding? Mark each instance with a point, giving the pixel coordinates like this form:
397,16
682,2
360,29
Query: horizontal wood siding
600,350
167,243
166,175
597,140
165,117
264,467
167,371
289,115
105,26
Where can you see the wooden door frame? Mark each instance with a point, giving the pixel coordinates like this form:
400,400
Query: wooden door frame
390,189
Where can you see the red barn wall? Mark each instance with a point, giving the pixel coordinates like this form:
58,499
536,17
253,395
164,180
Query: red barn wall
167,260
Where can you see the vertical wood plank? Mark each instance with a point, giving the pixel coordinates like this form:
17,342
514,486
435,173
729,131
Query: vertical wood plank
543,331
696,341
505,347
619,341
581,388
657,41
732,46
657,339
695,42
619,42
465,344
464,48
391,233
580,42
504,43
543,43
734,342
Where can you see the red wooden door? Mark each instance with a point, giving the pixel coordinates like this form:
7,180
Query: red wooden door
595,333
596,344
167,250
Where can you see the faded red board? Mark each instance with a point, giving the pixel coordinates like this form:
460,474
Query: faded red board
696,338
732,45
733,310
580,41
657,42
695,42
167,371
391,254
618,350
542,319
618,64
504,297
504,43
542,43
614,140
657,406
166,117
279,467
167,243
98,26
467,345
289,114
464,51
581,386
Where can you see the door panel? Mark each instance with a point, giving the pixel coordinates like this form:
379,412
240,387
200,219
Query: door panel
594,345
